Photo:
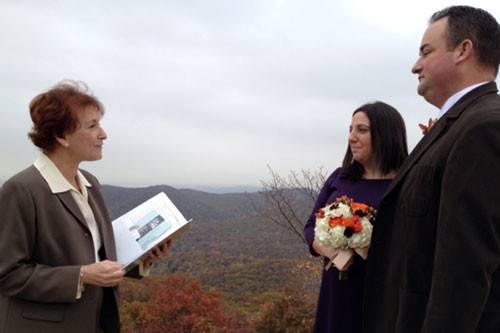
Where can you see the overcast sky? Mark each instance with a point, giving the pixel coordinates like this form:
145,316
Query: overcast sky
209,92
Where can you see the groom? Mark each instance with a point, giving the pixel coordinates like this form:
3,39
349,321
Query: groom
434,262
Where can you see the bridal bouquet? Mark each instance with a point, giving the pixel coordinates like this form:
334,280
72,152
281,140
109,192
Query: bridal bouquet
345,226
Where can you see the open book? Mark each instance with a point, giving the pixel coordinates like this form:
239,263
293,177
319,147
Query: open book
148,224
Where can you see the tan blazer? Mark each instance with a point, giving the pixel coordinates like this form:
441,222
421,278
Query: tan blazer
43,242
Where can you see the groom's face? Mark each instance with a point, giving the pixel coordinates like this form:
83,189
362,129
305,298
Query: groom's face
435,65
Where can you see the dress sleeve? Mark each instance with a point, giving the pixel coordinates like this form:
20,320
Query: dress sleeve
20,275
321,201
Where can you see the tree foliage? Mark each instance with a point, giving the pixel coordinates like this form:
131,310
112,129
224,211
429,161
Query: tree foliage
179,304
245,261
291,311
176,305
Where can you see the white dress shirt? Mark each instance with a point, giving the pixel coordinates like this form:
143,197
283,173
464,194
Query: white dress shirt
59,184
456,97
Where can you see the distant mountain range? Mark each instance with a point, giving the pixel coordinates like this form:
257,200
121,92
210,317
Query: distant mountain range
227,222
198,205
222,189
211,189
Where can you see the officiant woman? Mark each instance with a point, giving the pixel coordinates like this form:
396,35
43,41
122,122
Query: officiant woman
375,151
58,271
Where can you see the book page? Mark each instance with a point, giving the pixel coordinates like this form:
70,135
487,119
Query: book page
148,224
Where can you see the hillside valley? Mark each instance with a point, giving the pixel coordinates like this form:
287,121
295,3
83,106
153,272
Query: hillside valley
229,246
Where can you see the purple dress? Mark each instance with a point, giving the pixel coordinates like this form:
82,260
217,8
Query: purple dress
339,304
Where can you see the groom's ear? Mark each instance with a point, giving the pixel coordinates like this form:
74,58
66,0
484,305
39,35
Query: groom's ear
464,51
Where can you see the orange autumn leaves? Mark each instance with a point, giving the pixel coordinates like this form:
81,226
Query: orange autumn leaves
175,304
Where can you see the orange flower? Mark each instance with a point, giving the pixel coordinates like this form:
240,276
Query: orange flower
348,223
334,221
359,207
320,214
425,129
358,227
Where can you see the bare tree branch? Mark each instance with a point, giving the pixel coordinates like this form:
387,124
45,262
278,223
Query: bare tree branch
288,200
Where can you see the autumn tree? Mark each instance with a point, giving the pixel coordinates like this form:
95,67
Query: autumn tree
290,311
176,305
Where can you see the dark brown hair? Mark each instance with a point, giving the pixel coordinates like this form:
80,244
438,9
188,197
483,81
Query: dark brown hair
388,134
476,24
54,112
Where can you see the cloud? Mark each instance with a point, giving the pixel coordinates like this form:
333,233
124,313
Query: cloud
208,93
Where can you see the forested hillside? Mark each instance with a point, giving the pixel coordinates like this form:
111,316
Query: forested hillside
257,268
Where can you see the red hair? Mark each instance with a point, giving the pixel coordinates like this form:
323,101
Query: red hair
54,112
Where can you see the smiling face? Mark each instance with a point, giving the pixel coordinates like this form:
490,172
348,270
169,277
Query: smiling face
360,139
85,143
435,66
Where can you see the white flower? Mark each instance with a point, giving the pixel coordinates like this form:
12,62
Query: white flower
333,236
342,210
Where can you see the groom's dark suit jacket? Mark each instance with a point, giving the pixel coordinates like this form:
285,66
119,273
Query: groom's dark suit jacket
434,261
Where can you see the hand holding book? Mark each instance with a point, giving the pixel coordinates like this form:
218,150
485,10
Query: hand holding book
157,253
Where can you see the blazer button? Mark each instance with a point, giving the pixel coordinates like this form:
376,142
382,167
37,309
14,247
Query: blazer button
86,234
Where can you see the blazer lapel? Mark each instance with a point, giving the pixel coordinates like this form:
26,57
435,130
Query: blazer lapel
68,201
438,130
417,152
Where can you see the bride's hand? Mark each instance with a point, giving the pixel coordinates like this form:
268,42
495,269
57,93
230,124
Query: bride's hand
324,251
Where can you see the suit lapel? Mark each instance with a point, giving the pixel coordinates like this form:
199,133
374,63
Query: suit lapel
70,204
438,130
417,152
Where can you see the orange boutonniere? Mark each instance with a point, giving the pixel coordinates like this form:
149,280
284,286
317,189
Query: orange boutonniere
425,129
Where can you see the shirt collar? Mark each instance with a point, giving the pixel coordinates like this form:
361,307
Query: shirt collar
455,98
54,177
